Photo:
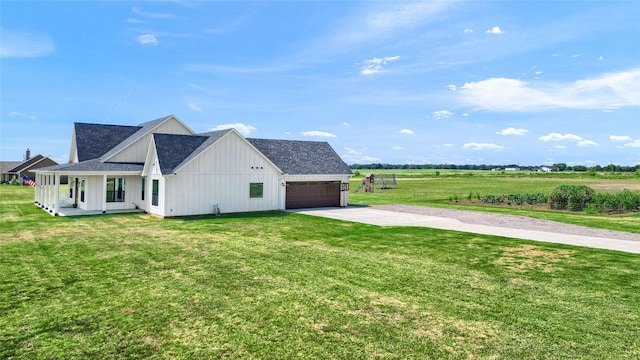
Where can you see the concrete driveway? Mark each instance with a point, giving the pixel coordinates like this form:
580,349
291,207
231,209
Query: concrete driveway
368,215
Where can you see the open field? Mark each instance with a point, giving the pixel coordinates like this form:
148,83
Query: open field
278,285
423,187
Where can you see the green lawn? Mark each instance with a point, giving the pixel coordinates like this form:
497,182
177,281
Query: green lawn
276,285
423,188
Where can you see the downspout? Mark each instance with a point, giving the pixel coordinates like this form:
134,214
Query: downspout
104,193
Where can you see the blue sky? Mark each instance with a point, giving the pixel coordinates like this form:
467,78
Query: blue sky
456,82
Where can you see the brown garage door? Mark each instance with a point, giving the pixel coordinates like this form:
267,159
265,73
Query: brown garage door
312,194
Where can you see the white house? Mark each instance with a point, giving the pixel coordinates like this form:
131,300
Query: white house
165,168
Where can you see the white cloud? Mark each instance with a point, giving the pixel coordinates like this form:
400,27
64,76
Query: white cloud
587,143
608,91
134,21
196,86
397,148
560,146
137,11
369,159
620,138
468,31
386,19
560,137
147,39
448,145
193,106
315,133
634,144
442,114
513,131
354,156
24,44
478,146
22,115
452,87
346,124
354,152
406,131
495,30
243,129
376,65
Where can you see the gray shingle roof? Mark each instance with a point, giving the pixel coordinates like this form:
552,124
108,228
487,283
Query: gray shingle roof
212,136
172,150
25,164
302,157
143,129
94,140
5,166
95,165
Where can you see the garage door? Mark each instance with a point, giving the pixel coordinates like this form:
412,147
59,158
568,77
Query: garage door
312,194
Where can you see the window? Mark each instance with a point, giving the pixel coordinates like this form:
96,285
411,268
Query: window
71,182
255,190
115,189
154,192
82,190
143,180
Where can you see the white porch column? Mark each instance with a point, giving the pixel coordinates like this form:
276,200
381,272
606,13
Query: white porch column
37,180
104,194
45,192
39,187
50,202
56,205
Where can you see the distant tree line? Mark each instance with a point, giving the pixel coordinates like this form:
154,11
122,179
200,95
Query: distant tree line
554,167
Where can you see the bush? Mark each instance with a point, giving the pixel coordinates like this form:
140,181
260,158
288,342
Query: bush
624,201
571,197
517,199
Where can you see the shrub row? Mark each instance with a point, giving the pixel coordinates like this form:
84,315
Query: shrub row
571,197
574,198
516,199
624,201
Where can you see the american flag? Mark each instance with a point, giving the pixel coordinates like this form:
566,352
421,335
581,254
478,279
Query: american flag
26,180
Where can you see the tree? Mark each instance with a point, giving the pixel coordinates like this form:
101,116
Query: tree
560,166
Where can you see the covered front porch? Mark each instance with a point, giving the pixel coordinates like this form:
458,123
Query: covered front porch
71,211
116,189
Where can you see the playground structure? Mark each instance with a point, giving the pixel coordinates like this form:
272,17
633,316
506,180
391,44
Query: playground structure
380,181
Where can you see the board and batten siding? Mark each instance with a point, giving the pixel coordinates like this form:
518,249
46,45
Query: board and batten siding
221,175
137,152
94,194
154,174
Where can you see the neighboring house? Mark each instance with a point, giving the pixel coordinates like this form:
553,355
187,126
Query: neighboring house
545,169
10,170
5,175
166,169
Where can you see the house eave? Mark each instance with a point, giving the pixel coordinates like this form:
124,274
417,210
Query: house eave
87,173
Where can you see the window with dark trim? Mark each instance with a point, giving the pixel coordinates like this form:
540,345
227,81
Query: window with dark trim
255,190
82,181
115,189
71,182
142,193
155,184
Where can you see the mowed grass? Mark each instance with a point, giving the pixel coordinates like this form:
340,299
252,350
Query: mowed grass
277,286
424,188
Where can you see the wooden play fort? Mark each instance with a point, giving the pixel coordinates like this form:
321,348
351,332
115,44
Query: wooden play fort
380,181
